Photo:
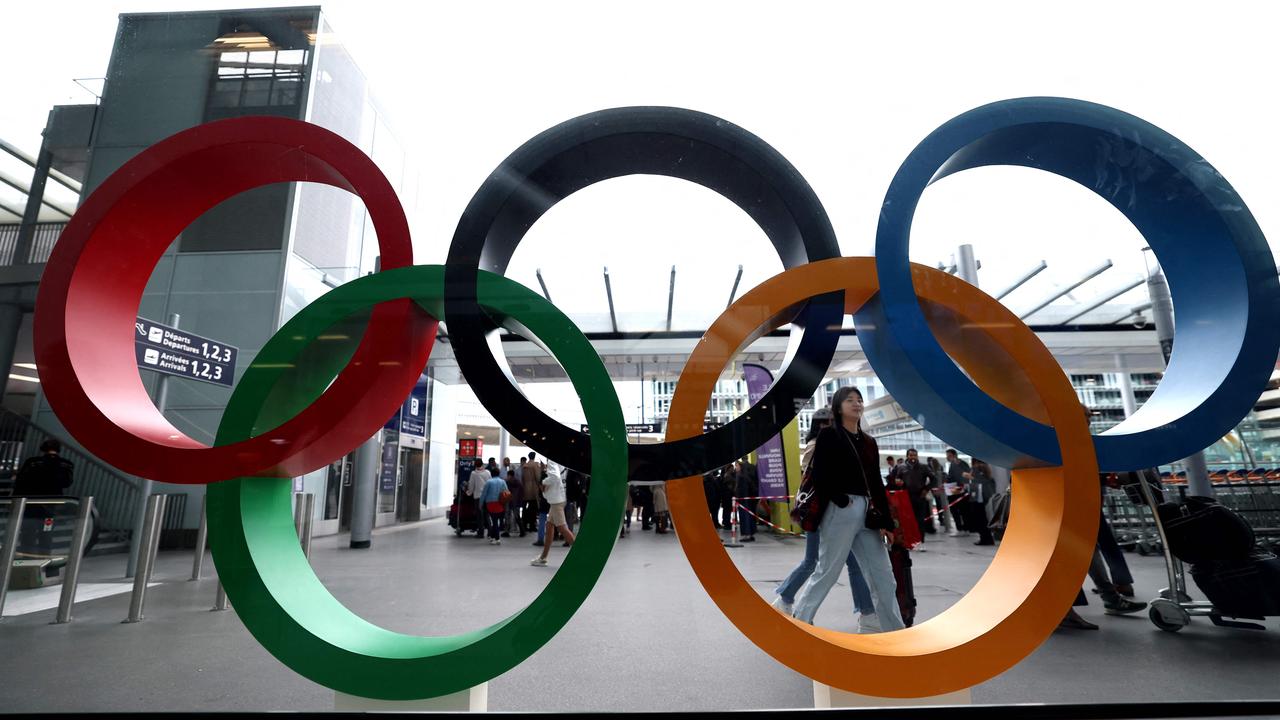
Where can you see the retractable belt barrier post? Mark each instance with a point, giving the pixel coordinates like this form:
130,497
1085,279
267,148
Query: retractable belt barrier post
733,526
147,560
74,555
16,511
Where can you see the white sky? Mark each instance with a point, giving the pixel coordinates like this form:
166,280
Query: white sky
845,91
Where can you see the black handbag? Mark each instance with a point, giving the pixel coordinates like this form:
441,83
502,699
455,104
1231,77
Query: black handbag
808,508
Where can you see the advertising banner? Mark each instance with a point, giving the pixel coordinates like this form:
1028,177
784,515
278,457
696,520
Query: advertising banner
770,463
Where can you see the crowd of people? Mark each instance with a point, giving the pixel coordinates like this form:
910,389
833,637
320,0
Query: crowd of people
858,525
531,497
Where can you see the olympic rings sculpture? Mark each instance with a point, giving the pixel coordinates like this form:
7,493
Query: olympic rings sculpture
308,398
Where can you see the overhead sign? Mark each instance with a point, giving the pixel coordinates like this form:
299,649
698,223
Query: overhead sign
411,418
634,428
177,352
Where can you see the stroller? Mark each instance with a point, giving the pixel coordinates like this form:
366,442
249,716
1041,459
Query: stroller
1240,579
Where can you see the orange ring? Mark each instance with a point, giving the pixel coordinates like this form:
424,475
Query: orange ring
1053,526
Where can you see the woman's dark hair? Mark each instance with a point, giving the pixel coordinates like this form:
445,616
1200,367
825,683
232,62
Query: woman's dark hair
838,398
815,427
51,445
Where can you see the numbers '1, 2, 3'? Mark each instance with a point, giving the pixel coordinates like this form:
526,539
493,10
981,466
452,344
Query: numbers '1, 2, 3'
216,352
206,370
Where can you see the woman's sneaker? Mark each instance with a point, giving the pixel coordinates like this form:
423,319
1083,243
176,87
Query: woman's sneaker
781,606
538,562
868,623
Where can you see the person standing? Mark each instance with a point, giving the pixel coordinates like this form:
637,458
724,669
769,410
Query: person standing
711,490
515,505
45,475
530,480
857,516
573,493
746,490
918,481
475,489
661,509
554,493
958,491
728,482
982,487
787,589
495,504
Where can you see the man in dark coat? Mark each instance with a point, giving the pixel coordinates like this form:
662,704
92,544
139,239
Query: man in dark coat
918,480
46,474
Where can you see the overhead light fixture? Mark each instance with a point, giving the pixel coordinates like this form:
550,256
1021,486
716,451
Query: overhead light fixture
29,366
24,378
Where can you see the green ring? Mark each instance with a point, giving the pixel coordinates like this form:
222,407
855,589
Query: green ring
256,549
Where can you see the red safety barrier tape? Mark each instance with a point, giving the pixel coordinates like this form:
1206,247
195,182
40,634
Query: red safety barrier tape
733,521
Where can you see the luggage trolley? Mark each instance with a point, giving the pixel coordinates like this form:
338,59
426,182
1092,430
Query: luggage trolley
1132,521
1174,609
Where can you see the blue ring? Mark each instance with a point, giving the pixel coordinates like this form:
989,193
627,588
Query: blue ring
1192,218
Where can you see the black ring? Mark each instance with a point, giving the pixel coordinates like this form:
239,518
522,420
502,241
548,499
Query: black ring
673,142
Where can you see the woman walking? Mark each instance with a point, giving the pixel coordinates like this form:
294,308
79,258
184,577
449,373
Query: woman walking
856,516
786,591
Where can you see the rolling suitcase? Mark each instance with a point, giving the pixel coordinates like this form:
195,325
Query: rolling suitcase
1202,531
1246,588
900,557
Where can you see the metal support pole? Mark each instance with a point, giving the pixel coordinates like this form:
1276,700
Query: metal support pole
967,266
299,501
16,511
309,511
10,325
1126,393
365,489
146,562
1162,316
504,445
144,489
220,598
72,579
202,539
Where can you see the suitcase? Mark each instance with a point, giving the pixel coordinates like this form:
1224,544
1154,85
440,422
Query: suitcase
900,558
463,516
1246,588
1200,531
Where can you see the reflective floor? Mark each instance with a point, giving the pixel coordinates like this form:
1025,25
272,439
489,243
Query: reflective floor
648,637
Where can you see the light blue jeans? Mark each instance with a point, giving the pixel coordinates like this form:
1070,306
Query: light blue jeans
861,593
844,529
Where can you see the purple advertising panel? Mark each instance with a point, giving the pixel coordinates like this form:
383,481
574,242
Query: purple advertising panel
770,463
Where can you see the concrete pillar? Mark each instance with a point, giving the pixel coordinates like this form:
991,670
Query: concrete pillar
10,323
365,489
31,214
504,444
1162,314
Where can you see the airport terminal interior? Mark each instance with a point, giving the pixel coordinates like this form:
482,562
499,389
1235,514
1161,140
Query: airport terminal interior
596,406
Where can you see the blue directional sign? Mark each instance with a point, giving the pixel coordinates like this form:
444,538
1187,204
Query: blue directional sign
177,352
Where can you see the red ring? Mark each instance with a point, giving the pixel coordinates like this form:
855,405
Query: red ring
93,284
